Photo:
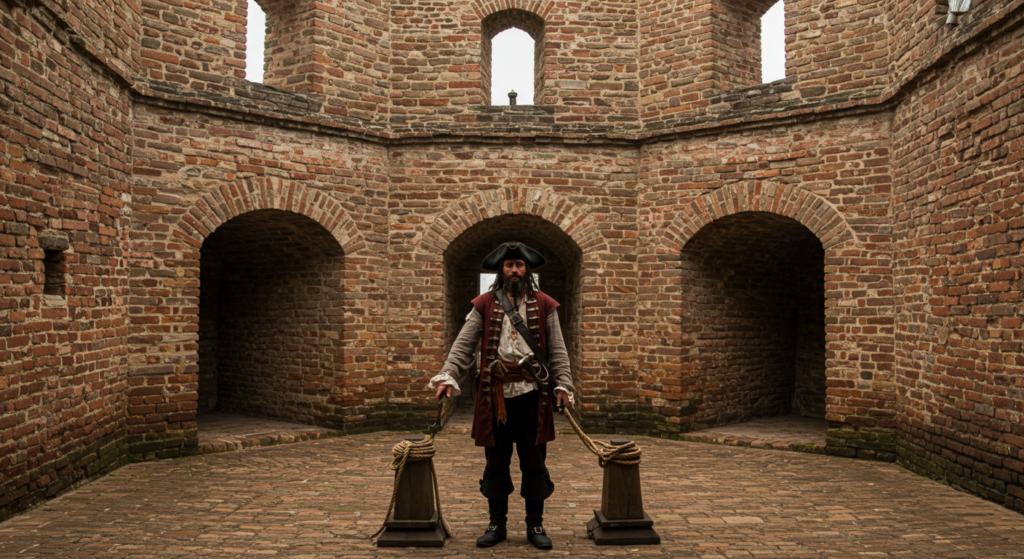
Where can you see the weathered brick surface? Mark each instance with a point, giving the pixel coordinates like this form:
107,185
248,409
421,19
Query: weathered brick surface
700,59
272,310
755,320
586,55
306,249
197,45
442,199
834,178
195,173
65,141
335,50
958,209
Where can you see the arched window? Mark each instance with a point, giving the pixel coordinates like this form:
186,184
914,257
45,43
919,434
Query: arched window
512,25
255,39
510,70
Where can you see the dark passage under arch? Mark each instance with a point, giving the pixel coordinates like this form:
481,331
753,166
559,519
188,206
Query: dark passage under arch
560,277
754,320
271,318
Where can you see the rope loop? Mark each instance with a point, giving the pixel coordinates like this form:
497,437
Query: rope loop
607,453
414,451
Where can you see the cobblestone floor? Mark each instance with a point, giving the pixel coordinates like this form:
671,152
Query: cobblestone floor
322,498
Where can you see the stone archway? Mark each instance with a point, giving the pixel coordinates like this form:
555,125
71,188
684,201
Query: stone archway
264,193
462,232
812,211
858,310
539,8
164,308
753,320
271,319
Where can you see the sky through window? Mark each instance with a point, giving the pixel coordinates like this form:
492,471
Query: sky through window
255,38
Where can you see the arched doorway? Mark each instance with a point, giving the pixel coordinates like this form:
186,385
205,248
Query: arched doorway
560,277
754,317
271,318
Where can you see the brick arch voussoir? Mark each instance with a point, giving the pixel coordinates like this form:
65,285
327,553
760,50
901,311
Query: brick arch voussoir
804,206
557,210
484,8
218,206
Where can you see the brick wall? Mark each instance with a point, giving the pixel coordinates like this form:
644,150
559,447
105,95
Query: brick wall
587,71
192,174
838,50
736,32
920,34
332,56
438,193
337,51
278,319
65,141
196,45
700,60
113,27
746,320
958,205
834,178
375,139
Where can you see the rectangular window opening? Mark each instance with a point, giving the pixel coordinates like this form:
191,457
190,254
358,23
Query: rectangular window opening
54,268
773,43
255,41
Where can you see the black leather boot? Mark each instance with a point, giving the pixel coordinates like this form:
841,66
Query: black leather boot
538,537
492,536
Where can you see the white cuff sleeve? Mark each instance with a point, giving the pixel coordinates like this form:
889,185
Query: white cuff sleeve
446,379
572,401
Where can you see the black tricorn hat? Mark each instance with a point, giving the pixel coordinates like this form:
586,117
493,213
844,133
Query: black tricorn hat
511,251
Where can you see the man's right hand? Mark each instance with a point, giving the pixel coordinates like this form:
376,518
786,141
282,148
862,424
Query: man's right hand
444,389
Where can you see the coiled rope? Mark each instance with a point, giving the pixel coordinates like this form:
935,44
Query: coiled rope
607,453
414,451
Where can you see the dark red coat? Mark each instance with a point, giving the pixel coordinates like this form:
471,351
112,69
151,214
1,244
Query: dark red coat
489,307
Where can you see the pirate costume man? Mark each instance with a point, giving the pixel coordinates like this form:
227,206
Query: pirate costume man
520,374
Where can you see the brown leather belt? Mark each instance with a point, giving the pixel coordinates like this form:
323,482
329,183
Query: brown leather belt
507,372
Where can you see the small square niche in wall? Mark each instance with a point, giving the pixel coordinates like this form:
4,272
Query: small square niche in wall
54,268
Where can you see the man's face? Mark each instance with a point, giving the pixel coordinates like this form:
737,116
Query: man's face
514,270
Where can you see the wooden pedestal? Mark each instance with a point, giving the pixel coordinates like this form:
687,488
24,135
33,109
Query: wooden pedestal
414,521
621,519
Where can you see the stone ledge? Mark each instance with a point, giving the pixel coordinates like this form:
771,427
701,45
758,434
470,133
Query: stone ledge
229,445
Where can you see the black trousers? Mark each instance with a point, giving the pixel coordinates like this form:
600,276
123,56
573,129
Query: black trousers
520,431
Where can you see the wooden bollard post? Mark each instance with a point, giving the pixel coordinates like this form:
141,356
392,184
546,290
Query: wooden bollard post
621,520
414,520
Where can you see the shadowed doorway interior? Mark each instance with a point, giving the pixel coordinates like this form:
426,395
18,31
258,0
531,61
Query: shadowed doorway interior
560,277
271,318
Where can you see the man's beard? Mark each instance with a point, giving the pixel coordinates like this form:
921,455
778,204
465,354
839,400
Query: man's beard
515,288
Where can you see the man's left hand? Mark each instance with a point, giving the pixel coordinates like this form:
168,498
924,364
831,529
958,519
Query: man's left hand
562,399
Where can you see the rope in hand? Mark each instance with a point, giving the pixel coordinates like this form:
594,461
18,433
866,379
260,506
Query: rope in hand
406,451
625,454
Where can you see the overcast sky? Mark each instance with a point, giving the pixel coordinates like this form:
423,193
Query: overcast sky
512,55
255,37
